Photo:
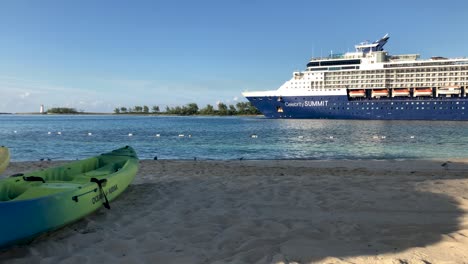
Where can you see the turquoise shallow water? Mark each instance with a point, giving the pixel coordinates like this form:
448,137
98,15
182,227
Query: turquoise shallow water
227,138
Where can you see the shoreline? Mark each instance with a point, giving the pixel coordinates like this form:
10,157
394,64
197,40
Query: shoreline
362,160
125,114
275,211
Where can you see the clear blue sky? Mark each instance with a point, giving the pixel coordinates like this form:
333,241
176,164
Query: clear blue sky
97,55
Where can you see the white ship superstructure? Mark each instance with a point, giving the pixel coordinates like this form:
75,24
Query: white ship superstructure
371,76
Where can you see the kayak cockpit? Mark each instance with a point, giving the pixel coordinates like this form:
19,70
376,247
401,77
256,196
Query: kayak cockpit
59,179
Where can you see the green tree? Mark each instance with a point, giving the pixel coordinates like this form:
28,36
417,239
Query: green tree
117,110
191,109
242,108
208,110
123,109
177,110
62,110
246,108
145,109
138,109
222,109
252,110
155,109
232,110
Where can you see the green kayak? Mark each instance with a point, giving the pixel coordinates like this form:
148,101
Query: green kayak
37,202
4,158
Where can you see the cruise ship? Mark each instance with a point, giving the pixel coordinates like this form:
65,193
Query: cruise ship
369,83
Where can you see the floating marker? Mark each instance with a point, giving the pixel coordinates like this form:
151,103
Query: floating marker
383,137
181,135
48,133
59,133
90,134
130,134
301,136
158,135
189,136
331,137
412,137
375,137
253,136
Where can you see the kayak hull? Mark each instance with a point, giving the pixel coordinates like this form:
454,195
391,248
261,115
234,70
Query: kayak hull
63,198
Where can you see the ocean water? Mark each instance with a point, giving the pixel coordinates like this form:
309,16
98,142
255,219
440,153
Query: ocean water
224,138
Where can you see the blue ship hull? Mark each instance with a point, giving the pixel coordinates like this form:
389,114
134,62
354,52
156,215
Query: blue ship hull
342,107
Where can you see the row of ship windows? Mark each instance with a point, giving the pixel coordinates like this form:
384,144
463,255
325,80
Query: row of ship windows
424,64
412,73
407,103
396,81
397,108
385,103
390,78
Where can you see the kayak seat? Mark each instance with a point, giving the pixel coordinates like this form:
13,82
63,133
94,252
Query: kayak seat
104,170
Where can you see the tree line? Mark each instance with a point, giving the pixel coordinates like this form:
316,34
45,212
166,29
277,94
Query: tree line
62,110
241,108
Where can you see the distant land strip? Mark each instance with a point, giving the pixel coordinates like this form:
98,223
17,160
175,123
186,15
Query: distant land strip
241,108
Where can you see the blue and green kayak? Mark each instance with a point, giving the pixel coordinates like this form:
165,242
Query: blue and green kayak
40,201
4,158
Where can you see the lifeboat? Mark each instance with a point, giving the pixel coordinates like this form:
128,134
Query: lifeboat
357,93
401,92
379,92
422,92
449,90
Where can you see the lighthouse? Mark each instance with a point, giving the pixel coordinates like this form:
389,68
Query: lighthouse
42,109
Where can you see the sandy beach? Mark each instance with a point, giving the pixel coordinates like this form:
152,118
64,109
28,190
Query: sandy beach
407,211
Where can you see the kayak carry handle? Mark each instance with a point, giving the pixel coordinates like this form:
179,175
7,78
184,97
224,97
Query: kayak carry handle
99,183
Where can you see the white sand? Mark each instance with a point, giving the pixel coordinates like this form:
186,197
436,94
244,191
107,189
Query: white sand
270,212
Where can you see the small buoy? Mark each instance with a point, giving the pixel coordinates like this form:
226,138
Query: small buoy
253,136
48,133
15,131
301,136
59,133
412,137
375,137
90,134
181,135
130,134
383,137
158,135
189,136
331,137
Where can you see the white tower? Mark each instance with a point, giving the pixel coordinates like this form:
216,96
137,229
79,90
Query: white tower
42,109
